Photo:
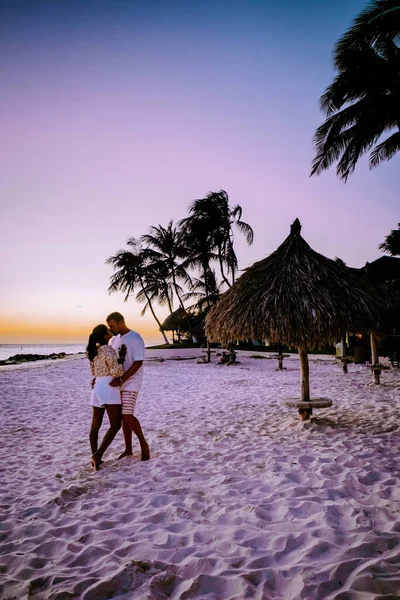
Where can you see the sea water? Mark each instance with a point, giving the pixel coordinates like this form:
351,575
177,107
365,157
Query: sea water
7,350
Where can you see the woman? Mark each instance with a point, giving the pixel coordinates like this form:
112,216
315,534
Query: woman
105,367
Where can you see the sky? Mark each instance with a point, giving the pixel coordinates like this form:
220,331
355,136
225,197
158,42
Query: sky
115,115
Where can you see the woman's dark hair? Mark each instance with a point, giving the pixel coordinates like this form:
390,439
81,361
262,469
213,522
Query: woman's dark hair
96,337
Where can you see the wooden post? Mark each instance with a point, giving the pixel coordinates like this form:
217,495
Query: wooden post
280,357
374,350
344,354
304,383
374,359
208,351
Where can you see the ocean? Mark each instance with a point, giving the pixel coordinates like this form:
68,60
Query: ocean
7,350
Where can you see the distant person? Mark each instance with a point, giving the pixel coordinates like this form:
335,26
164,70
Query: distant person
105,367
130,347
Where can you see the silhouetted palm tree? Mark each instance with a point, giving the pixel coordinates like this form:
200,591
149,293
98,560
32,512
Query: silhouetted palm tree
130,275
157,286
363,101
391,245
205,290
198,248
213,218
164,246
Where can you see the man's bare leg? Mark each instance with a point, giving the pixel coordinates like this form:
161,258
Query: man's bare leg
127,431
114,415
135,427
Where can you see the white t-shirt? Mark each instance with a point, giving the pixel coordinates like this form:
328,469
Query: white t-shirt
134,351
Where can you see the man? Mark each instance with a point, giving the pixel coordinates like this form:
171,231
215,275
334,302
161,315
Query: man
129,344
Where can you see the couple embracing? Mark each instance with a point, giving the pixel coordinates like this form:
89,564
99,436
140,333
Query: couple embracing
118,373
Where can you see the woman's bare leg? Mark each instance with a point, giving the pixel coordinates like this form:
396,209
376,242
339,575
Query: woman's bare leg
114,415
97,419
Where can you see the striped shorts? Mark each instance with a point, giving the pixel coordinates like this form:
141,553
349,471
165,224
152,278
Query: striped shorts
128,401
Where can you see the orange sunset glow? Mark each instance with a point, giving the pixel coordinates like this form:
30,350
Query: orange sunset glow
39,330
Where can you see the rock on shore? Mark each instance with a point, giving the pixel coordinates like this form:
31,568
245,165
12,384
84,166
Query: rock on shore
22,358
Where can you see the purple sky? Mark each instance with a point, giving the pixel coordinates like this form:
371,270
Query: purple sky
116,115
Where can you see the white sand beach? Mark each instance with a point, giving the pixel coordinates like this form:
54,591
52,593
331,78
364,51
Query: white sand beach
239,500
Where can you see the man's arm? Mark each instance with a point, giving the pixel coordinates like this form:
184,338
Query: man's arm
118,381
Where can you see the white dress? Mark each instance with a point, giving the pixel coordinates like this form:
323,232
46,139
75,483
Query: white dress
105,368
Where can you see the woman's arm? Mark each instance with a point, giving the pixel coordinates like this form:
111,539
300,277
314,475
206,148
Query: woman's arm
116,370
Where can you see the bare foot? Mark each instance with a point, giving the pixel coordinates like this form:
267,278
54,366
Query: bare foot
96,462
146,452
100,461
125,453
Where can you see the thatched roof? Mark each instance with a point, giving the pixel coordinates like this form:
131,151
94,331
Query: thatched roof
295,296
385,268
177,320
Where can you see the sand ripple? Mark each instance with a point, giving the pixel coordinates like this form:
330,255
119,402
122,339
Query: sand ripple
240,499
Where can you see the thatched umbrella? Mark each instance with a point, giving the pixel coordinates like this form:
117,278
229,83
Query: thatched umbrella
380,275
385,268
297,297
177,321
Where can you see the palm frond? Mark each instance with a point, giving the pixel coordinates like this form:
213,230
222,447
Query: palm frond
392,242
246,230
386,150
236,212
363,101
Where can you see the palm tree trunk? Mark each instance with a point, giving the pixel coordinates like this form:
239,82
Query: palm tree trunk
170,307
304,383
206,286
206,267
180,300
221,266
153,313
231,252
176,291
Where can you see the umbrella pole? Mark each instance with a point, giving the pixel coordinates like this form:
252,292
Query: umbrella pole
344,354
304,413
374,359
374,350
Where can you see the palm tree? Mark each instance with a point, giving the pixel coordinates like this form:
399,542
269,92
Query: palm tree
199,249
130,274
217,218
391,245
205,290
164,246
157,287
363,101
